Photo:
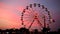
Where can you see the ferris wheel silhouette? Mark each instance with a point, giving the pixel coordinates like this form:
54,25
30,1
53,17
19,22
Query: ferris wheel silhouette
36,12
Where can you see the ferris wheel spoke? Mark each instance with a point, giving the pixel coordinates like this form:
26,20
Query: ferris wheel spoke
27,15
27,20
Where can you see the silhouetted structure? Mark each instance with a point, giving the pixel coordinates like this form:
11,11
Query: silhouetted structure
17,31
0,31
36,31
24,30
58,30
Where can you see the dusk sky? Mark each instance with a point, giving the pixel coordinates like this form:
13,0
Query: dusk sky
10,12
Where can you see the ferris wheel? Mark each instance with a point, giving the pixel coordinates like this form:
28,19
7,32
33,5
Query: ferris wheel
36,12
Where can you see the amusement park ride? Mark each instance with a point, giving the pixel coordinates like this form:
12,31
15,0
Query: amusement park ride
35,11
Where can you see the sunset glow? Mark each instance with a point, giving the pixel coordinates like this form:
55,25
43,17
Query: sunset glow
10,14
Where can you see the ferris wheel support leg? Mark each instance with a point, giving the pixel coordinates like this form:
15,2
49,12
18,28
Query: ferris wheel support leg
31,24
